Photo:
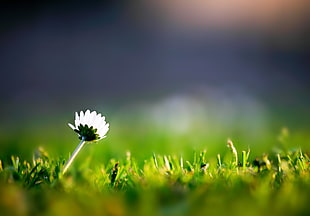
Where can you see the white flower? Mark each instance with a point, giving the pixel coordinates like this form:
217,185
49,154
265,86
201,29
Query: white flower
90,126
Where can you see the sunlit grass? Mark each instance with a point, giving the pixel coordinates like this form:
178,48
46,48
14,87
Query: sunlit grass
277,183
144,167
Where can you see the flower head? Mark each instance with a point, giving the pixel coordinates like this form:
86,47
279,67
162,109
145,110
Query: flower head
90,126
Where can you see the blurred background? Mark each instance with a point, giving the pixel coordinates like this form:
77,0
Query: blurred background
192,72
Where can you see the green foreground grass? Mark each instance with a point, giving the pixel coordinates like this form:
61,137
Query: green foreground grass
277,183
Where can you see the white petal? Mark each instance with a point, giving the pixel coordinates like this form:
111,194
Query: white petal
103,130
101,138
102,117
87,113
82,118
81,114
97,121
77,119
92,118
101,123
86,117
70,125
104,126
107,128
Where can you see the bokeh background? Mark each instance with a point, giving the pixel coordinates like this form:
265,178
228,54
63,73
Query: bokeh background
193,72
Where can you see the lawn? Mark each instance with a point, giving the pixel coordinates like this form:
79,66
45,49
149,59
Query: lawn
142,168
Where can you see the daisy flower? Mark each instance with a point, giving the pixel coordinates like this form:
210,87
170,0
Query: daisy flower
90,127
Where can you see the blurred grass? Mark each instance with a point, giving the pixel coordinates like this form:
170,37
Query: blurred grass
140,187
142,137
161,185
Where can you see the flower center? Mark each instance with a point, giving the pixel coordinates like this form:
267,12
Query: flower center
87,133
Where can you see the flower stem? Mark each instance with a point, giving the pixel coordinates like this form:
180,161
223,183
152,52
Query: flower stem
74,154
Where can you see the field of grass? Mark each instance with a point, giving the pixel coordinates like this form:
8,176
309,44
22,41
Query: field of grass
142,169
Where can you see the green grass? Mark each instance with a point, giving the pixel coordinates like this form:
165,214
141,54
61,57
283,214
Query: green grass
143,168
273,184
